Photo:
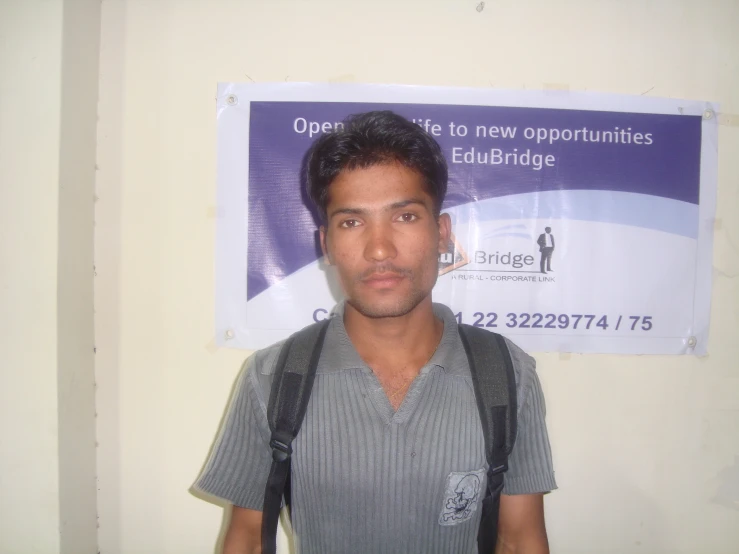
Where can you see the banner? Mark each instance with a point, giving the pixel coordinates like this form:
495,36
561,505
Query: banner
581,222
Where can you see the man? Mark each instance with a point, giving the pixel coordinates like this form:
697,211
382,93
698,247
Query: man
390,457
546,247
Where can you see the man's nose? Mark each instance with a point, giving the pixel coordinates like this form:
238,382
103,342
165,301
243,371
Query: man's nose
380,245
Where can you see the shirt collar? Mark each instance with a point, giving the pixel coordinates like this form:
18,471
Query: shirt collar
339,353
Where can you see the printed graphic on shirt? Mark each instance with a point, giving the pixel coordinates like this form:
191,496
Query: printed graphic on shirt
461,497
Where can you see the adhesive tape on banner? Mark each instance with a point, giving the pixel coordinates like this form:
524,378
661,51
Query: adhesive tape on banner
728,119
564,356
211,347
214,212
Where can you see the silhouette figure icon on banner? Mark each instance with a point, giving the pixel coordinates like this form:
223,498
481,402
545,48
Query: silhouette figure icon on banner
546,247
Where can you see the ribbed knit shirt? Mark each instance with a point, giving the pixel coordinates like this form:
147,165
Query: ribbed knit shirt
366,478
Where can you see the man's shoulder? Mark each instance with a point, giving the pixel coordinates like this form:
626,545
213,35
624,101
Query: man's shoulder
260,368
524,369
519,357
524,365
264,360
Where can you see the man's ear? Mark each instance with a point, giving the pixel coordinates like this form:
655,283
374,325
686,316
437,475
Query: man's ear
324,249
445,232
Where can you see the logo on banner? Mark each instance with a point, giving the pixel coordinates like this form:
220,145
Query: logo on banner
454,257
503,255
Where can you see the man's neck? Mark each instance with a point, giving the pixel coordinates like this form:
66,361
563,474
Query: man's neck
392,344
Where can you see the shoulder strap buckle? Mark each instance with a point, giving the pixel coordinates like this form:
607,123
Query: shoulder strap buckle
281,451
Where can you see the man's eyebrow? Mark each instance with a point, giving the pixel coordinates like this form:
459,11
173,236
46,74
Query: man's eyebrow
404,203
347,211
394,206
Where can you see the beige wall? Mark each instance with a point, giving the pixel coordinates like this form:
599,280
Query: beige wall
29,197
48,106
645,447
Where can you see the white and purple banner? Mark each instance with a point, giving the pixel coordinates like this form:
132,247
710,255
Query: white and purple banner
581,222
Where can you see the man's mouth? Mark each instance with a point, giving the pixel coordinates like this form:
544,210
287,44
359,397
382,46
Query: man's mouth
385,279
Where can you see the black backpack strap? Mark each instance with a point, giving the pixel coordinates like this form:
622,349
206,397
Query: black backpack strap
288,401
494,382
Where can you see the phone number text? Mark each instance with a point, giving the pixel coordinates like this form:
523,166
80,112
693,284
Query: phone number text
525,320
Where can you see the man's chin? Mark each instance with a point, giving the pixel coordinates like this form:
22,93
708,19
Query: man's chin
387,309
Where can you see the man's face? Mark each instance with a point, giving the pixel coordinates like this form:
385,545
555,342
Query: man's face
383,238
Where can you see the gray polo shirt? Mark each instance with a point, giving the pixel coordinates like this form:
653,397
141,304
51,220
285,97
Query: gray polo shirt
368,479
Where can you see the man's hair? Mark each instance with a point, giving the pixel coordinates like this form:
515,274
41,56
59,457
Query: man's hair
370,139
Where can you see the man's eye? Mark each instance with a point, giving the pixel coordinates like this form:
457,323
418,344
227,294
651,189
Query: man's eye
408,217
349,223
